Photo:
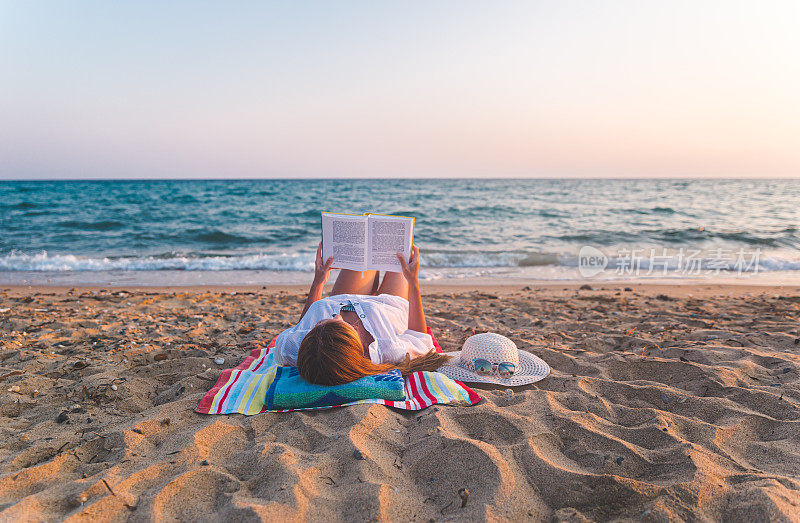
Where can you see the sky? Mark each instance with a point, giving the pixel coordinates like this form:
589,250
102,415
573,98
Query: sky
373,88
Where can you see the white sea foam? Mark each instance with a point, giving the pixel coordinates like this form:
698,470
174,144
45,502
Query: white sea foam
71,262
305,262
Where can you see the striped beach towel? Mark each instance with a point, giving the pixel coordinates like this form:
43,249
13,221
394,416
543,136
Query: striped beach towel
243,388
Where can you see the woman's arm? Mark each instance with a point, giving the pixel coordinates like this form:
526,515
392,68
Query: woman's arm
321,272
416,316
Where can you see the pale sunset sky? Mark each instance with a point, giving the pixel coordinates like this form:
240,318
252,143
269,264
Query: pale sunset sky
410,89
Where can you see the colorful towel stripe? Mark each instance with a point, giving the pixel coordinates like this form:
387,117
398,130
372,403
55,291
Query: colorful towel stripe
243,388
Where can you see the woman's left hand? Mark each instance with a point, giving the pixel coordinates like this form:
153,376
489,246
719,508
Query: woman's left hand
410,268
321,269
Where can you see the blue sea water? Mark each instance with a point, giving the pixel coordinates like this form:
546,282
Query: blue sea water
250,231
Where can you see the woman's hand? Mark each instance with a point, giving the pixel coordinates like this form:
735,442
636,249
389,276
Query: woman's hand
410,268
321,269
416,316
321,272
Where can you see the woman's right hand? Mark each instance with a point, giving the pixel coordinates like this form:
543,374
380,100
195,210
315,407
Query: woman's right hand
410,268
321,271
321,268
416,315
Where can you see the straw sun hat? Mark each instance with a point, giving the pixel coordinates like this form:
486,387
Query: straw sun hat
494,348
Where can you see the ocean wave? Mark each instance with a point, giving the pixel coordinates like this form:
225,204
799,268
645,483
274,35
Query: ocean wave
23,206
217,236
70,262
778,264
455,259
445,259
655,210
103,225
44,262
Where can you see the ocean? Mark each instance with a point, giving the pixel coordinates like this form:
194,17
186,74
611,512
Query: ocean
266,231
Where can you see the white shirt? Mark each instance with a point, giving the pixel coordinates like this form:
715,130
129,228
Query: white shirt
384,316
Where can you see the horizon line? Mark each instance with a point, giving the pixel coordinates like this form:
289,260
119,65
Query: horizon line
347,178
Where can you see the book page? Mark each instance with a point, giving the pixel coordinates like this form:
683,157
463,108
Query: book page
388,235
345,238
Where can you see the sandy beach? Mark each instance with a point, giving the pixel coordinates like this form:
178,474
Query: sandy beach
665,403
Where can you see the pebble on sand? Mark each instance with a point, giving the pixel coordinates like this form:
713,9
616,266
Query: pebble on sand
464,495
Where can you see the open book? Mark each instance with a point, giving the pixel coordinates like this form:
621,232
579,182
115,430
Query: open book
366,242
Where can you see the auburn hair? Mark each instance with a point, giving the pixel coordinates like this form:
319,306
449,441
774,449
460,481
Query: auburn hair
332,354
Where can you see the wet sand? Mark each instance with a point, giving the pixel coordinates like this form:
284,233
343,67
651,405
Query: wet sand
665,403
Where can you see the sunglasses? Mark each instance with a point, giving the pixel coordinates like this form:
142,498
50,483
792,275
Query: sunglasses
484,367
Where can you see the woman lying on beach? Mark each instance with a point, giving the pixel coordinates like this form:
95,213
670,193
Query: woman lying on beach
362,328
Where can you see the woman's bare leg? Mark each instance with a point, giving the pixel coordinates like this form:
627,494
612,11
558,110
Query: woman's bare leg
355,282
394,283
